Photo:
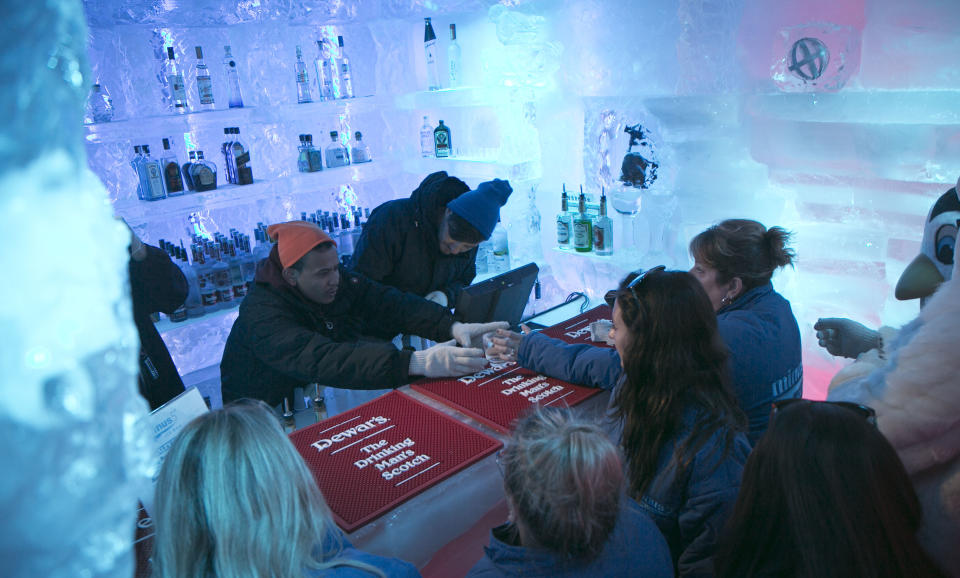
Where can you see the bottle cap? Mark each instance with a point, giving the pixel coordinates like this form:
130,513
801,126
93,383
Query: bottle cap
170,52
199,52
333,134
358,134
340,41
166,144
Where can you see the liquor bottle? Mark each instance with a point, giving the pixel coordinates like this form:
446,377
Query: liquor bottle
603,229
99,105
483,257
203,173
331,76
221,277
564,221
152,177
171,171
233,78
185,170
360,150
500,249
430,50
303,158
314,155
345,241
135,163
248,263
336,153
227,150
205,280
194,303
426,139
346,79
303,81
453,58
320,67
204,83
235,262
178,92
582,227
441,141
243,173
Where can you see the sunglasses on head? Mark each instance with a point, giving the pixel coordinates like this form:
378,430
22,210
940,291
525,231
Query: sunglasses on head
867,413
611,295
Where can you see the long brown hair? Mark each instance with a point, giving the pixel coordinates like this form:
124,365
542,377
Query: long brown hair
674,361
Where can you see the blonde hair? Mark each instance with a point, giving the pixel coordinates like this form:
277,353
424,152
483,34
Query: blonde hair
235,499
565,479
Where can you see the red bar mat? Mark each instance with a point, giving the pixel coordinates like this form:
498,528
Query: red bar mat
500,394
378,455
576,330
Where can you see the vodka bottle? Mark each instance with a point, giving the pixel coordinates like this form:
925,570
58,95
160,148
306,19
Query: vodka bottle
361,152
303,81
441,141
564,221
426,139
221,277
99,105
152,177
500,260
430,50
203,173
331,76
171,171
320,65
603,229
185,170
233,78
345,240
194,302
204,84
135,163
178,92
453,58
248,263
227,149
235,262
336,153
205,280
243,172
346,79
582,227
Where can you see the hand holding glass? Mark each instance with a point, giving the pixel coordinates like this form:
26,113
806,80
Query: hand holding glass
501,345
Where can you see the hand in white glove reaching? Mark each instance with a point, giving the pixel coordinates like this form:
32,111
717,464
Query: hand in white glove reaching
845,337
447,360
470,334
438,297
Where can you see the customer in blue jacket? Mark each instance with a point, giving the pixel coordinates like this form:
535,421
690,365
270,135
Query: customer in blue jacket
734,261
564,483
235,498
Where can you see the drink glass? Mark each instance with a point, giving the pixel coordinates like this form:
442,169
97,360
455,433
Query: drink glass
496,350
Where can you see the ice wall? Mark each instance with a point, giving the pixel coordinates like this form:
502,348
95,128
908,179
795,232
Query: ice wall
72,459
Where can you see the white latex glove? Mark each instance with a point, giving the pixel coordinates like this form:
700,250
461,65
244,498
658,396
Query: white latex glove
470,334
447,360
438,297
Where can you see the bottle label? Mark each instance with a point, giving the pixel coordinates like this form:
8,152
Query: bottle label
563,232
581,234
154,181
177,90
430,48
205,88
360,155
171,173
599,238
441,141
203,176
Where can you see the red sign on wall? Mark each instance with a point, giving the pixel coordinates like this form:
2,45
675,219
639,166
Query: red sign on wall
576,330
372,458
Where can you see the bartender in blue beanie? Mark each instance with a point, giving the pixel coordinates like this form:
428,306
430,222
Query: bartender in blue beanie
427,244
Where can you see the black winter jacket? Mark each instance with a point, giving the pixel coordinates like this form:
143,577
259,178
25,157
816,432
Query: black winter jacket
281,340
400,243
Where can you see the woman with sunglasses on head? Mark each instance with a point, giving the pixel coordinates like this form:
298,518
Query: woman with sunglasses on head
824,495
564,483
234,499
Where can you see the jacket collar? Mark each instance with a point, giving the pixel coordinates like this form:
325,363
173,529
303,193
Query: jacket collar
270,273
747,298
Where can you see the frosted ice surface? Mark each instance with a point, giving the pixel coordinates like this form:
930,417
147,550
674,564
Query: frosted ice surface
72,459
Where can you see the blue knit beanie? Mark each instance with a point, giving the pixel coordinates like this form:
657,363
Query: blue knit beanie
481,206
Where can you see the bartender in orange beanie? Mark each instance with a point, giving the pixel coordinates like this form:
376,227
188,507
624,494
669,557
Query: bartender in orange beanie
301,323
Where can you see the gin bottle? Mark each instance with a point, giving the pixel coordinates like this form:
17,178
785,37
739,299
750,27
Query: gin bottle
204,84
582,227
99,105
346,79
171,171
441,141
430,50
426,139
178,92
203,173
603,229
303,81
564,221
233,78
361,152
152,177
453,58
336,153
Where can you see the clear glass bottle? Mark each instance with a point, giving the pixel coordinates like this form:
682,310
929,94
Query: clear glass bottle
336,154
227,150
441,141
346,78
221,277
500,249
303,80
204,83
241,159
233,78
135,163
172,179
582,227
315,155
152,177
426,139
430,51
360,151
331,76
564,221
603,229
99,105
303,156
194,302
203,173
178,91
320,67
453,58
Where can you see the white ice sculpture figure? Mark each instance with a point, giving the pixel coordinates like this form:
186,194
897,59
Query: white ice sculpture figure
72,458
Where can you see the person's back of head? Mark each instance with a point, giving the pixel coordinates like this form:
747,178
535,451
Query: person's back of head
824,495
743,248
234,498
564,479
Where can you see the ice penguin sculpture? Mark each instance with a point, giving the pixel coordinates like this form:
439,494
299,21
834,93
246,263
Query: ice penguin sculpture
915,387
